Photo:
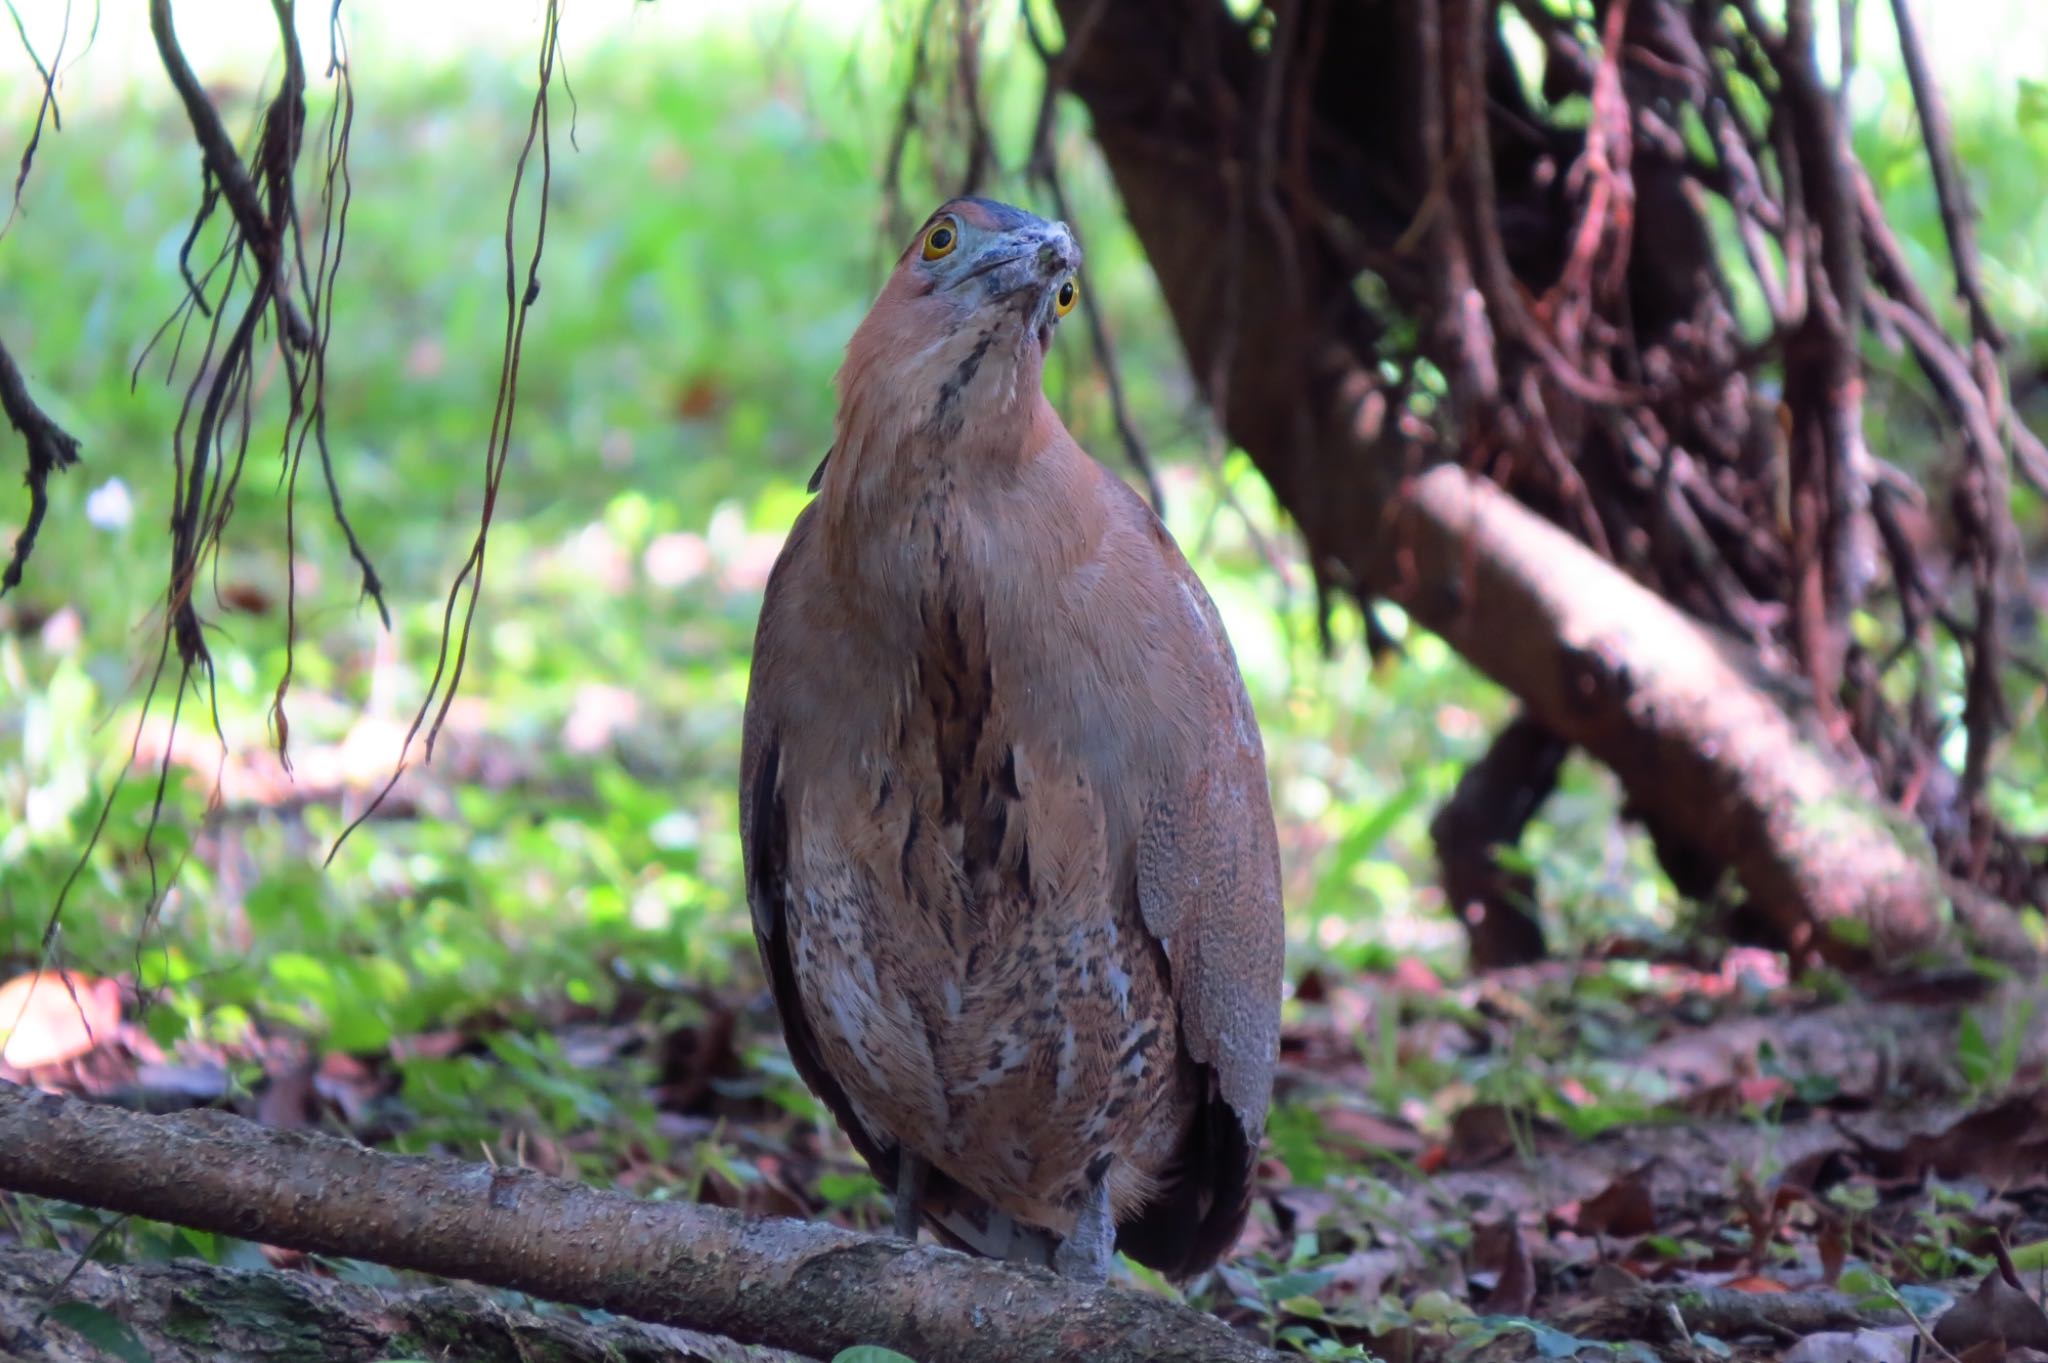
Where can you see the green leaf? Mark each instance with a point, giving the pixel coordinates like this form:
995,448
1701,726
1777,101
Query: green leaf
840,1189
870,1353
1850,932
109,1334
1869,1291
1973,1052
2033,110
1298,1139
1365,837
1439,1307
1299,1283
166,1026
1554,1343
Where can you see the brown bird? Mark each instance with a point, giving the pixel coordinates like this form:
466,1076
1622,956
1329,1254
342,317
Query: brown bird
1003,799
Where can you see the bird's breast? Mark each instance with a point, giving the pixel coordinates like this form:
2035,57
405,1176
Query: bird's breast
978,971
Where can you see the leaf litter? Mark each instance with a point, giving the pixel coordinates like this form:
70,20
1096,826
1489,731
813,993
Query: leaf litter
1599,1159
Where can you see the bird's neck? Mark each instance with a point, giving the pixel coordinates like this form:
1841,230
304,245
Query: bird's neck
892,479
895,449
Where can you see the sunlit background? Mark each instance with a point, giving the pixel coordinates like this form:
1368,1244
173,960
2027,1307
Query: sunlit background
716,230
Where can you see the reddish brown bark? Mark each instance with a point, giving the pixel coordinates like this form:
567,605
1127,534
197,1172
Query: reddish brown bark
1693,737
1713,748
1486,814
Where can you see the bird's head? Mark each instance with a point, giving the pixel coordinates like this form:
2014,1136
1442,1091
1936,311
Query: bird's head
956,340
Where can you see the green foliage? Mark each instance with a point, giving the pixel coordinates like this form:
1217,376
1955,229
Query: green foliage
576,835
106,1332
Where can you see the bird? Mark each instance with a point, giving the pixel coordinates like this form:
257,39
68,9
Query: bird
1006,828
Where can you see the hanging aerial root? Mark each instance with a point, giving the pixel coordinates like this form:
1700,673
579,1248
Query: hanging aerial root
522,291
51,450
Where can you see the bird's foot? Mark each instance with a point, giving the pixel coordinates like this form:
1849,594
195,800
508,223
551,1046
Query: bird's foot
1084,1255
910,1174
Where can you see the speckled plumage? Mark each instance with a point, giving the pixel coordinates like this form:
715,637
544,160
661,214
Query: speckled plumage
1003,799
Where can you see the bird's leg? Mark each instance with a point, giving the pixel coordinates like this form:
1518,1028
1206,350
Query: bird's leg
910,1172
1084,1255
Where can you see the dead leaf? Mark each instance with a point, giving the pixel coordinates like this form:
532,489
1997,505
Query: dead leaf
48,1017
1834,1252
1854,1346
1996,1310
1360,1132
1624,1207
279,1257
1501,1246
430,1045
1612,1280
1412,976
1991,1350
1755,1284
695,1058
1359,1278
1480,1134
2001,1144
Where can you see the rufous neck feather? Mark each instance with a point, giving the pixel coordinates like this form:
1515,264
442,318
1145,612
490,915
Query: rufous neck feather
927,395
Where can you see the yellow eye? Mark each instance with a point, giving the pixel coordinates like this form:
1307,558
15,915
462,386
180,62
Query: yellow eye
1064,300
941,240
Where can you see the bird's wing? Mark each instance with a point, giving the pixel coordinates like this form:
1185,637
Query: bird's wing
1208,888
771,801
764,830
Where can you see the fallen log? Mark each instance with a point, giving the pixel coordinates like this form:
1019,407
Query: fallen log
54,1309
785,1284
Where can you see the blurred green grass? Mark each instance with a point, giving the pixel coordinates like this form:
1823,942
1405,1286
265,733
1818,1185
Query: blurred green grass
712,241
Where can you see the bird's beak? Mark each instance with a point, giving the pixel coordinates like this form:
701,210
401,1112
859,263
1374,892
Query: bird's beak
1058,252
1031,258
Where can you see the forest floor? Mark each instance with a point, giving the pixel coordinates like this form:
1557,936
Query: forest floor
1821,1174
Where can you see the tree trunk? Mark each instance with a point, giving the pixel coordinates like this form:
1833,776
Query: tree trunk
1705,744
785,1284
